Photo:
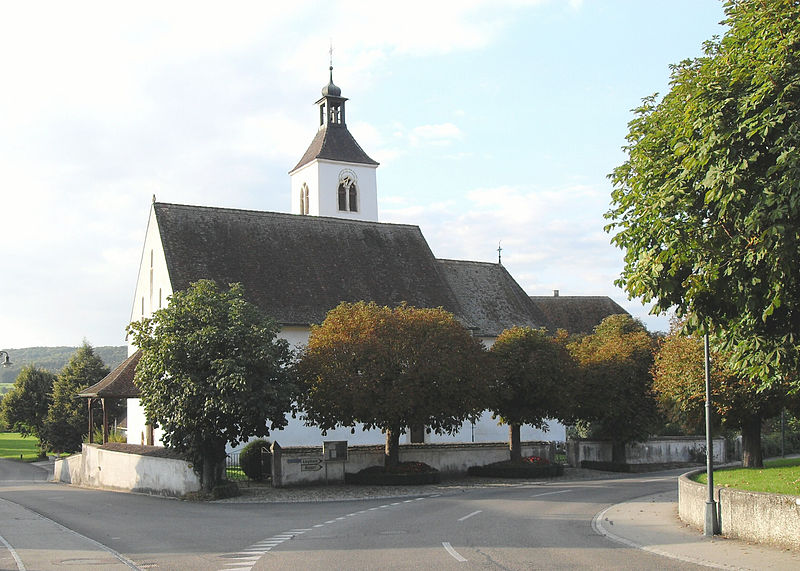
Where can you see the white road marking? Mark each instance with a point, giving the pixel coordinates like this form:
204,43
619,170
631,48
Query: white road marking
599,529
469,515
456,555
550,493
119,556
20,565
247,558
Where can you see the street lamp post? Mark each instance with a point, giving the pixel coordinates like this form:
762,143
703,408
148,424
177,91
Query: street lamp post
711,526
6,359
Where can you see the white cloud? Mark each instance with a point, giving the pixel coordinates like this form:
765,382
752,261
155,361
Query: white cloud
551,238
439,135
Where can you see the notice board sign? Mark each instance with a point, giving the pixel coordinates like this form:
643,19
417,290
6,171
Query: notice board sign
334,450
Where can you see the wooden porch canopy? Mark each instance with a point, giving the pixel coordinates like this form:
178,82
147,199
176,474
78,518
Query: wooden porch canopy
118,384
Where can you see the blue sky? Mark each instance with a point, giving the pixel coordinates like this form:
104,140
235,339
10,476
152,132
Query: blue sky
492,121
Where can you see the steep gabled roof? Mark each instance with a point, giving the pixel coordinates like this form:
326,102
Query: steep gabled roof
297,268
490,297
577,314
335,143
118,383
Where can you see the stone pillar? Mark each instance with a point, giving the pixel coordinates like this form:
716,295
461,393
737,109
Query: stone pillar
277,465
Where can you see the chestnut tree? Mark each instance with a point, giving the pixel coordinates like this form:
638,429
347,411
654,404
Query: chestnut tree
213,371
391,368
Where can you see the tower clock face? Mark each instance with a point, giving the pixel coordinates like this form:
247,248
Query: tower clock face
347,178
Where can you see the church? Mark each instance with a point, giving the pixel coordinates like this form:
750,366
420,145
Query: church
332,248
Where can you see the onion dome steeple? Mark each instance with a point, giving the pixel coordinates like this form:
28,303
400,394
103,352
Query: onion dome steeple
331,89
331,105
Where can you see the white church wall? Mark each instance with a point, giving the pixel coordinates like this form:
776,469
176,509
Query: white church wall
296,335
152,284
485,429
137,425
309,176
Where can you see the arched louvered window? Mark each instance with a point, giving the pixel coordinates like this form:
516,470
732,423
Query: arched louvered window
304,199
353,198
348,191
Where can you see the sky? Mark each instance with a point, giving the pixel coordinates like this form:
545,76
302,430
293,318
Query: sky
494,122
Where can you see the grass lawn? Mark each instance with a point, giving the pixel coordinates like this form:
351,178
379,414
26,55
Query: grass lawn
780,476
12,445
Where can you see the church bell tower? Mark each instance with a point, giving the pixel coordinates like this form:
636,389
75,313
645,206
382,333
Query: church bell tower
335,177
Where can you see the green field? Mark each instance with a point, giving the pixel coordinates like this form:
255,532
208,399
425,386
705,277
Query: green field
12,445
777,477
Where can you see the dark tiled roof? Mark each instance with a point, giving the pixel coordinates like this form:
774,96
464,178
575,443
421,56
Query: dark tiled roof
577,314
335,143
297,268
118,383
490,297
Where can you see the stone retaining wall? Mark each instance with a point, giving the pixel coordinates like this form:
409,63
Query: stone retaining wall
665,450
301,465
751,516
107,469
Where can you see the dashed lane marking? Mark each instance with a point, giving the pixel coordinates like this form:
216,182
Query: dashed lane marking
550,493
245,560
469,515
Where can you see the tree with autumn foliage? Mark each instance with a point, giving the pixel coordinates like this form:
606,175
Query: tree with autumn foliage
532,378
391,368
615,388
738,402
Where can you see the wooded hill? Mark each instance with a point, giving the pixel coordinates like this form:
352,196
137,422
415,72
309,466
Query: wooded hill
53,359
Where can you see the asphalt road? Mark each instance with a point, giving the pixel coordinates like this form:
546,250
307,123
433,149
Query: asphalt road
531,526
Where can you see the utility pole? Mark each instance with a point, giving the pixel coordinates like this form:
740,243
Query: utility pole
711,526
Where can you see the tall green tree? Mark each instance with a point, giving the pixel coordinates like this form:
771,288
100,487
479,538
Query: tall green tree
213,371
533,378
615,387
391,368
68,417
738,402
707,204
24,409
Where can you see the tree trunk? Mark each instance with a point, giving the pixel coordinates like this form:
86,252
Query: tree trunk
751,442
618,452
213,464
514,442
391,454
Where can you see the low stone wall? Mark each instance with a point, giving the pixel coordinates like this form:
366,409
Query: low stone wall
302,465
666,450
107,469
751,516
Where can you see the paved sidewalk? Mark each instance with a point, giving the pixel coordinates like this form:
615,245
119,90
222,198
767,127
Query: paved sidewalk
651,523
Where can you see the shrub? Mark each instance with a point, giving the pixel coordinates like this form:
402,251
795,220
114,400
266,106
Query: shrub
250,459
771,444
532,467
403,474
